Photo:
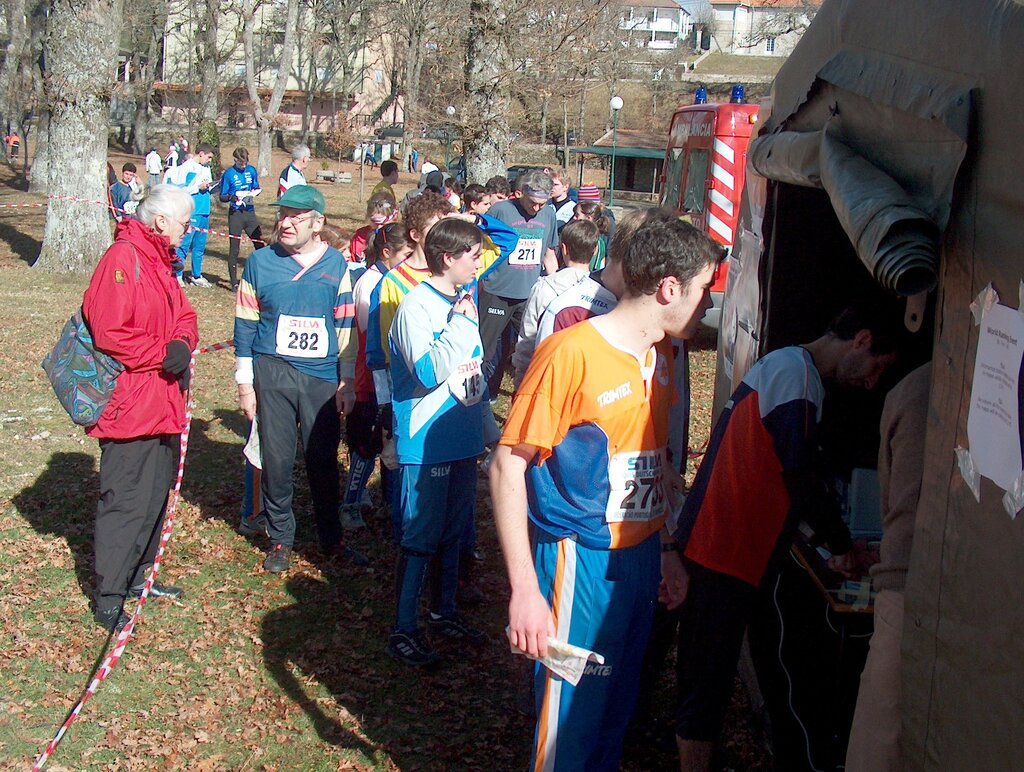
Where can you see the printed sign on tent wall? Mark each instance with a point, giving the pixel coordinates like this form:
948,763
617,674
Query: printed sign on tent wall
994,420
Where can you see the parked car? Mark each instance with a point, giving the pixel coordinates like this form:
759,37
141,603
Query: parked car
394,131
514,171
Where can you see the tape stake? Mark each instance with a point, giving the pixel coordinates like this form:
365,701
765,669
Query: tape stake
969,471
983,303
123,637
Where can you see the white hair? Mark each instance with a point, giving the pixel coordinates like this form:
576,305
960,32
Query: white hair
299,151
166,200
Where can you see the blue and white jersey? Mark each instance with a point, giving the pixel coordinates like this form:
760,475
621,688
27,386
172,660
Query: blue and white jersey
190,175
438,386
234,186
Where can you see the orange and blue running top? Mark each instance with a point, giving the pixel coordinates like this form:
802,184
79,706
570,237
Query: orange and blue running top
598,417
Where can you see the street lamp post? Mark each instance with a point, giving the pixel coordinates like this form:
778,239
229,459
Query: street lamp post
450,110
616,104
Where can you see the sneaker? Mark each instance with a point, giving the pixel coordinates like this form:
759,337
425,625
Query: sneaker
199,281
256,524
278,559
470,595
181,281
158,591
112,620
351,518
456,628
366,500
411,649
234,286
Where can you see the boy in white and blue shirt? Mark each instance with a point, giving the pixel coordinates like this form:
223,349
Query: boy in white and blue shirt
195,177
438,399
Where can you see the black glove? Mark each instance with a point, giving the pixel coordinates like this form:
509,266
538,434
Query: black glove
176,358
185,380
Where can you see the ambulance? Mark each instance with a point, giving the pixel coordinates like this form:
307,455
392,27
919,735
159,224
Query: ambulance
702,177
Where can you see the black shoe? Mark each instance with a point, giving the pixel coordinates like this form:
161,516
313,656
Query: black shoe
411,649
470,595
158,591
253,525
346,554
456,628
278,559
112,620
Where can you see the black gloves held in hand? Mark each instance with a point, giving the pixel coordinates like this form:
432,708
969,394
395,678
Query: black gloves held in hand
176,358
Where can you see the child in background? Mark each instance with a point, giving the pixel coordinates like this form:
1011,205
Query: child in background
498,189
594,211
475,199
380,210
366,426
452,192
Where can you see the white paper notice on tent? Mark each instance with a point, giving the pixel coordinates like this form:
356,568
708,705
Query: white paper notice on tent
563,659
993,423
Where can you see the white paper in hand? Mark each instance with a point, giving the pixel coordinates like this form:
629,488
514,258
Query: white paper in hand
563,659
251,451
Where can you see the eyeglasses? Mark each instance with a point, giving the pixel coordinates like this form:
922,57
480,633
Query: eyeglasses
296,218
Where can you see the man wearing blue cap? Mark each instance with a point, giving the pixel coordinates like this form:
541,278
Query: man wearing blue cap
295,369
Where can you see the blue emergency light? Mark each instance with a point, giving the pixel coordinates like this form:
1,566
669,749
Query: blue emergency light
737,95
700,96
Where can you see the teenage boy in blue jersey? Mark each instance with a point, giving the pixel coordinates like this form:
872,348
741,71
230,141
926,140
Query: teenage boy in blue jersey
437,397
295,369
238,187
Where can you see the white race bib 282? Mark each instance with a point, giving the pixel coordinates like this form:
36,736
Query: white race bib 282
637,486
302,336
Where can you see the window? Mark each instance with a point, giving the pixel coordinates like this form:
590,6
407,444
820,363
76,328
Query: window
769,45
673,176
697,163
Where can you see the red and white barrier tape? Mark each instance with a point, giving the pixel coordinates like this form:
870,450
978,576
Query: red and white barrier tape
107,205
229,343
121,642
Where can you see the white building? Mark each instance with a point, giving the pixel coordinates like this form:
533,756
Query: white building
654,24
760,27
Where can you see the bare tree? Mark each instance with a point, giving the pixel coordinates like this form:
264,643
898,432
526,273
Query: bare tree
264,116
779,18
211,60
487,96
145,24
20,76
81,45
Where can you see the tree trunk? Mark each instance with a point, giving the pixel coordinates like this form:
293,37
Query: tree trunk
487,98
80,50
210,103
581,133
413,69
545,104
18,39
39,170
264,118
